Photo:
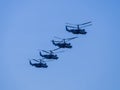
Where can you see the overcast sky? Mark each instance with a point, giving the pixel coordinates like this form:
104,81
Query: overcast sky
27,26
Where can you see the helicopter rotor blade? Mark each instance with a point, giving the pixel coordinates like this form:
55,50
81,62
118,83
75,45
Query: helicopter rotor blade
51,51
60,51
49,60
60,38
55,41
55,49
79,24
40,60
58,41
45,51
57,37
86,26
71,26
68,39
85,23
35,60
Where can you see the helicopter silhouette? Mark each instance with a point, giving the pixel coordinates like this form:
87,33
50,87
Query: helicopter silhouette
63,43
77,28
41,63
50,54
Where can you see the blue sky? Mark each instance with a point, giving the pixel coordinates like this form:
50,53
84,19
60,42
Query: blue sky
29,25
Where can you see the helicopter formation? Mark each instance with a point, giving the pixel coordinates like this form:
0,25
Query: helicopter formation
63,43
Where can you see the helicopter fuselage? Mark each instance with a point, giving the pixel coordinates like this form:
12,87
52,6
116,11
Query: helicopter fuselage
76,31
49,56
62,45
39,65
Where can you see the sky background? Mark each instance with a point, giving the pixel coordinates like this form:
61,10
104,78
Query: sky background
29,25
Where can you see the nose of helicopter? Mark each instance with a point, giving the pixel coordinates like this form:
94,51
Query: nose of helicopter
56,58
70,46
84,32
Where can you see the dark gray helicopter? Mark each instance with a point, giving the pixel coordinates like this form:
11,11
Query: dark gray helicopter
40,64
77,28
63,43
50,54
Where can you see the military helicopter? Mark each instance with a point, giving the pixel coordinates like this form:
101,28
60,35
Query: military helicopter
63,43
50,55
41,63
77,28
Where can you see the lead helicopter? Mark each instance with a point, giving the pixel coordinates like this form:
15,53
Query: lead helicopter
40,64
63,43
50,54
77,28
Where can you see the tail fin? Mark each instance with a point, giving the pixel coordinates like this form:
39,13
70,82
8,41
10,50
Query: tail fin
40,54
30,63
67,28
53,42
